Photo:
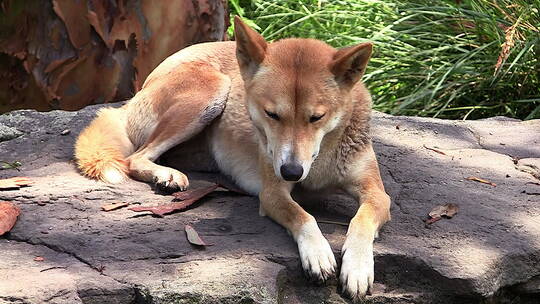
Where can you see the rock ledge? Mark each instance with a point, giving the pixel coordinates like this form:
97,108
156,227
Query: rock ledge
490,249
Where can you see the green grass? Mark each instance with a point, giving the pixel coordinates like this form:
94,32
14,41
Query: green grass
476,59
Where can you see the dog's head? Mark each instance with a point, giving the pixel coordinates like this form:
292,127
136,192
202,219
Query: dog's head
298,90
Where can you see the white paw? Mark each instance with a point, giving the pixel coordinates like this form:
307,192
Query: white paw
357,275
170,179
316,255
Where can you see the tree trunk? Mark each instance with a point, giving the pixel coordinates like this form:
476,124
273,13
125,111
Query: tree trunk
66,54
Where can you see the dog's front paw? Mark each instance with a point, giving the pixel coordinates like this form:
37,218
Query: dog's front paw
168,179
357,274
316,255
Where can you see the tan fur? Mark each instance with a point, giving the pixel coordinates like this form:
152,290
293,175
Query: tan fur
102,147
261,107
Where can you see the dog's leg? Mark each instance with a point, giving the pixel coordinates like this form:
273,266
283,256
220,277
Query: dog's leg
316,255
167,134
366,185
191,111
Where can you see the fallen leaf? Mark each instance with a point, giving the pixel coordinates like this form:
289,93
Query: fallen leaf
432,220
114,206
14,183
192,193
435,150
161,210
483,181
39,259
8,216
446,211
193,237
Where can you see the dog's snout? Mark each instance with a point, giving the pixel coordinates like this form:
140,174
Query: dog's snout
291,171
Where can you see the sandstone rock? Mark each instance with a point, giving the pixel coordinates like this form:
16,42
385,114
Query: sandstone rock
490,249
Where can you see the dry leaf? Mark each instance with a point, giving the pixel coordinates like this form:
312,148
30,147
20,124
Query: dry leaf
193,237
14,183
506,47
483,181
161,210
39,259
8,216
191,193
435,150
446,210
432,220
114,206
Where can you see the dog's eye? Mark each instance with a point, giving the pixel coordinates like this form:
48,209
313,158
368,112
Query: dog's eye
274,116
315,118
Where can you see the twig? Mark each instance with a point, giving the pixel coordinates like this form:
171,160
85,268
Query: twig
51,268
435,150
480,180
333,222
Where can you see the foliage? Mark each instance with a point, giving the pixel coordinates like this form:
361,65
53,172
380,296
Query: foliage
4,165
451,59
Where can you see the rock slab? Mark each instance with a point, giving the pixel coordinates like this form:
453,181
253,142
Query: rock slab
489,250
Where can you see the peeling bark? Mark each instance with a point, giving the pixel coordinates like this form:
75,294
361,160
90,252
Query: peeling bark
65,54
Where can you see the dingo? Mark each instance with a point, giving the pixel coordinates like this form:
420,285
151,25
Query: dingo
275,115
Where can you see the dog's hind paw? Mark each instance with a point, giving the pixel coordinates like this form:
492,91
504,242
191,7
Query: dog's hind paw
316,254
168,179
357,273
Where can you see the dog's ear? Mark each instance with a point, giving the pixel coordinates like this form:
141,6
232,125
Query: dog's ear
250,46
349,64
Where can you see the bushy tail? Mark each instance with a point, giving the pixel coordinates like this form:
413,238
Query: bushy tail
101,149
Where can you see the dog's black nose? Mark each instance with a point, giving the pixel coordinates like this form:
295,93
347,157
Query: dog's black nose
291,171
